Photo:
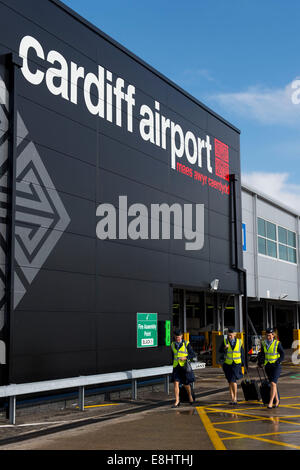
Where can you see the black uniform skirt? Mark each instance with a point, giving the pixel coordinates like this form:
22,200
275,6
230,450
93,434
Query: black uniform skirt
273,372
233,372
180,375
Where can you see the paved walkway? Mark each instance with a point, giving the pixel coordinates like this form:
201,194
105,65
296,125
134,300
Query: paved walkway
151,423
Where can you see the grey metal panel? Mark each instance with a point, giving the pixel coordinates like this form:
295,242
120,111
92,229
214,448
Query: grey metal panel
249,263
270,200
251,290
277,288
276,269
275,277
275,215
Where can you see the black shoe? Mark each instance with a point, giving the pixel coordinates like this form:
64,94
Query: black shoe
269,407
175,406
192,402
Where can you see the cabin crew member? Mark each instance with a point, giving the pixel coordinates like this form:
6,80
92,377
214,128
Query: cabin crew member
181,351
271,355
234,360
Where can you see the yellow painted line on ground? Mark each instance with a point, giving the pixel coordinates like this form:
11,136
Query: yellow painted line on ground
275,433
213,430
217,404
255,402
282,420
238,413
237,421
256,438
210,410
267,418
98,406
213,435
293,407
288,398
239,403
261,435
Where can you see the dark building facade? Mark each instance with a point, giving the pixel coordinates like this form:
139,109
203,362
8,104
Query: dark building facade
115,190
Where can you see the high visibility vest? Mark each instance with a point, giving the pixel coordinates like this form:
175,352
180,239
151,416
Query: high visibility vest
271,354
181,354
234,355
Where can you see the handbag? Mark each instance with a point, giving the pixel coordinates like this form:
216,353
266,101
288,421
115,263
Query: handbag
188,366
189,371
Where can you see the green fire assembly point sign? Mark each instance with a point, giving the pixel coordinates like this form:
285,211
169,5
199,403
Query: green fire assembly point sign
146,330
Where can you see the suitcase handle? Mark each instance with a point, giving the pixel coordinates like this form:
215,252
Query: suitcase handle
266,378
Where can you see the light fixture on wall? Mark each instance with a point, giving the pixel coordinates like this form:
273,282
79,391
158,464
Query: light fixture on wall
214,285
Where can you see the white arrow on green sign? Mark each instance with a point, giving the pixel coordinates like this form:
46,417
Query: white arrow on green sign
146,330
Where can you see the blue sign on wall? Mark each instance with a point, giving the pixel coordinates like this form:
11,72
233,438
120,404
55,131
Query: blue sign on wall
244,237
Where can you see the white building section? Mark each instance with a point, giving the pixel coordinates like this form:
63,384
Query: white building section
271,258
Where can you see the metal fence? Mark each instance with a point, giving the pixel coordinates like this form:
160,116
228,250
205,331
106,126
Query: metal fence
13,391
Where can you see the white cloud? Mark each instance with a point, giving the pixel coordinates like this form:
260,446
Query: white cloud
275,185
196,73
266,105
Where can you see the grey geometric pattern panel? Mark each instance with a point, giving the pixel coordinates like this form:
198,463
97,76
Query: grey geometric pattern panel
4,125
41,218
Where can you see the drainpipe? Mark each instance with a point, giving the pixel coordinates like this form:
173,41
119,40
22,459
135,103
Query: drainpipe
235,260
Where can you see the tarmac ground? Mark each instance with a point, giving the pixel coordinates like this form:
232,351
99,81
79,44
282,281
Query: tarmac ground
150,423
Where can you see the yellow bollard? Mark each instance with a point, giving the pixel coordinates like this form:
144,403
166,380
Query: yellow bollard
186,336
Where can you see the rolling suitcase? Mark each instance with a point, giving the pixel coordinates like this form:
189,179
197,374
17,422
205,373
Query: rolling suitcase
265,388
250,389
183,395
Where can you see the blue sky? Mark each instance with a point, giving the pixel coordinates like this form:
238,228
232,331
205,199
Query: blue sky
238,57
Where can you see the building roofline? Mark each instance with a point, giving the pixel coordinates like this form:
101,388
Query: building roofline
98,31
270,199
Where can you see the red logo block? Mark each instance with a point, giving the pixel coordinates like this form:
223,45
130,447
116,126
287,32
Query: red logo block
221,160
221,150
